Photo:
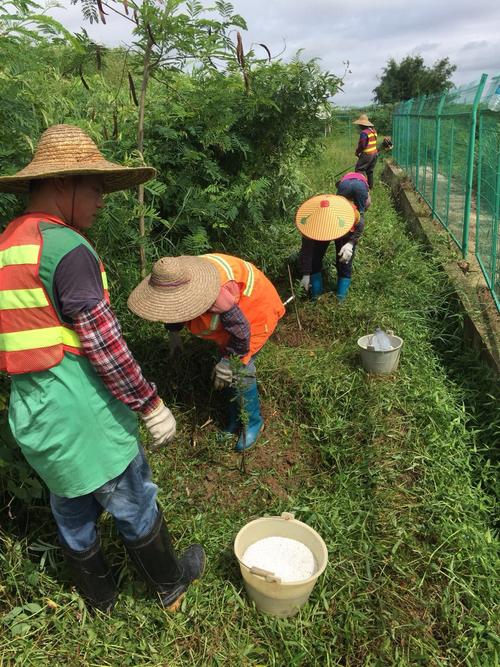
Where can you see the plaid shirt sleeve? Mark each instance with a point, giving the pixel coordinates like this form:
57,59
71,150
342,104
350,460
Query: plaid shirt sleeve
238,328
102,341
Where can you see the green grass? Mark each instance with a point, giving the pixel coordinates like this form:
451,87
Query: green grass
395,473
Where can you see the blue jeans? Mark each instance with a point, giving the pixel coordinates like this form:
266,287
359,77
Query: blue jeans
130,498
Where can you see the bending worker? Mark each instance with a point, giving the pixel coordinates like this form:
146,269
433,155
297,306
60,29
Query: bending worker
326,213
366,150
76,389
221,298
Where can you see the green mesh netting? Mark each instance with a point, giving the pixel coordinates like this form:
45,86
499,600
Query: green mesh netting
449,146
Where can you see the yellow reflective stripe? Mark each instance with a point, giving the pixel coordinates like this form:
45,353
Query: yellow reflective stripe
19,254
250,279
104,279
214,322
223,264
23,298
34,339
69,337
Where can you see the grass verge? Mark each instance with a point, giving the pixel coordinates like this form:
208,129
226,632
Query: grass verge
388,470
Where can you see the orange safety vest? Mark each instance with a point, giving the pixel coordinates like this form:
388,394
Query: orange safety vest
32,336
259,301
371,146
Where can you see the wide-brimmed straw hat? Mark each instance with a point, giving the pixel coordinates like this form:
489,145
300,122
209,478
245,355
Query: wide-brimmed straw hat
178,289
325,217
66,150
363,120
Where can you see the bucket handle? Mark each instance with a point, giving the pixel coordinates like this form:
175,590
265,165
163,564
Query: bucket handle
288,516
270,577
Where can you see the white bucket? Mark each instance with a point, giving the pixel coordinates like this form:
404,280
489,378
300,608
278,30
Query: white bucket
381,362
269,593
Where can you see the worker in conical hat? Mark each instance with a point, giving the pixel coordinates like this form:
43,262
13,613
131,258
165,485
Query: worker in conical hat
326,218
366,150
76,389
227,300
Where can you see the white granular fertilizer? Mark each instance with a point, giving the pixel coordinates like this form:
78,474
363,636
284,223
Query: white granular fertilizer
288,559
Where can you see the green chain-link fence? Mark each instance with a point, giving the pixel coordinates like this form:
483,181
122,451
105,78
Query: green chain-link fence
342,124
449,146
488,190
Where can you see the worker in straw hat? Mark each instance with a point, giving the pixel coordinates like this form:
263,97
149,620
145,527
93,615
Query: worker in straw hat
366,150
76,389
225,299
325,218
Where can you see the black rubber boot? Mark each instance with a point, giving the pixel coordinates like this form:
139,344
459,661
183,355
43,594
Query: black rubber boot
92,576
158,565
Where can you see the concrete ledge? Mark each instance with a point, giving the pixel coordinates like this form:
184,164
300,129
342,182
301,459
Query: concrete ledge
481,318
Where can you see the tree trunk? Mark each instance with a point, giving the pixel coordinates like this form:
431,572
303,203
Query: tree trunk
140,146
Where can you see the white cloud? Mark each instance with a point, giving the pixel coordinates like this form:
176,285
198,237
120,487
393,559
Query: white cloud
464,31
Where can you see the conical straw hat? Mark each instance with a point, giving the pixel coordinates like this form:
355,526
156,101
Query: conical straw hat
363,120
178,289
66,150
325,217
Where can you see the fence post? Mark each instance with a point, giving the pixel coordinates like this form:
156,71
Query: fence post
419,135
494,239
437,145
393,133
407,160
478,181
470,165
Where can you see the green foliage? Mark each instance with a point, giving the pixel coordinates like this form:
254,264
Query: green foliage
227,159
25,20
412,78
381,117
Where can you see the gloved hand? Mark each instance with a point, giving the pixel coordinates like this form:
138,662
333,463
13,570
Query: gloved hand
305,281
161,424
222,375
175,344
345,253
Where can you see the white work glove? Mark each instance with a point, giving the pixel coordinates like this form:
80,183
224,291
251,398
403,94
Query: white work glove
161,424
345,253
175,344
222,375
305,281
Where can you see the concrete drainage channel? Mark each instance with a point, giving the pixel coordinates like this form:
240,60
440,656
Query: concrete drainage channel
481,322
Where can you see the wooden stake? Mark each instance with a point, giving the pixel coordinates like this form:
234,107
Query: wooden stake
294,299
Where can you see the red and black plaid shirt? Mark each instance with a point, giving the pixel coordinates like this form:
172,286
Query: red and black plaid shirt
101,337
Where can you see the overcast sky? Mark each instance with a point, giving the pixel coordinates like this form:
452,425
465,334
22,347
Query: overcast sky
365,34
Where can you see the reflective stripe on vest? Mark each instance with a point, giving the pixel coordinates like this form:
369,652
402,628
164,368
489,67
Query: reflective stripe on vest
371,146
19,254
226,267
23,298
32,337
250,280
